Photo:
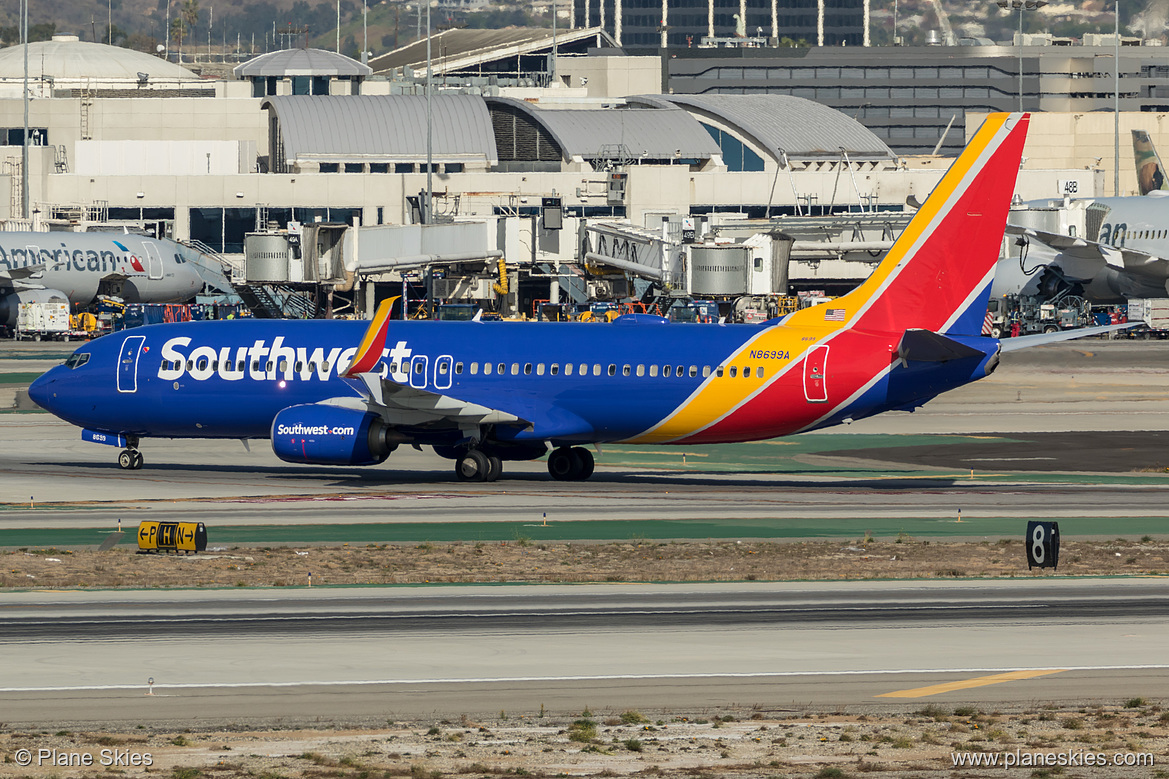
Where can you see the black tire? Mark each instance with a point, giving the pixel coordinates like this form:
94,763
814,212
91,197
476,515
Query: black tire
585,457
564,464
996,332
126,460
472,466
1051,329
494,468
137,460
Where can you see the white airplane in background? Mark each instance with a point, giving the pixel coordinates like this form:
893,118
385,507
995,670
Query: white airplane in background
39,266
1106,249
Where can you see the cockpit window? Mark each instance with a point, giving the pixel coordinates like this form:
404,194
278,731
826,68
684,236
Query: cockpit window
77,359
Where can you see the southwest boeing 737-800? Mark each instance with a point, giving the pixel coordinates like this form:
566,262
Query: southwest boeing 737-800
480,393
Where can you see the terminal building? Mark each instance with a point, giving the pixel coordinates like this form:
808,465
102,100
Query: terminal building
313,138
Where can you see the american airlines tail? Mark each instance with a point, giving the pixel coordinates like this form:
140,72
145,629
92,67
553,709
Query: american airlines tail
1150,171
937,275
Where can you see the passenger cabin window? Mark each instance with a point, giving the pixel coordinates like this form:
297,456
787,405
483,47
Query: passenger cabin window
640,370
443,369
653,371
596,369
666,371
626,370
693,371
458,368
584,368
554,368
501,369
419,366
475,368
705,371
540,369
528,369
612,370
734,371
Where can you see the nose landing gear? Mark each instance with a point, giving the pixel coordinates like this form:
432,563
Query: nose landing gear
130,459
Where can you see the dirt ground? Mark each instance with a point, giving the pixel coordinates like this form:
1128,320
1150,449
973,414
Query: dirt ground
698,745
524,561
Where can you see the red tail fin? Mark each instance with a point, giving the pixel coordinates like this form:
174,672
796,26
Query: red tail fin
941,266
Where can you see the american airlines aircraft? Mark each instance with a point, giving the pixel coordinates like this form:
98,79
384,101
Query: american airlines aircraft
343,393
1112,248
80,266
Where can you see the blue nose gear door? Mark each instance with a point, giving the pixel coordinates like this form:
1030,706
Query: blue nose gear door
128,363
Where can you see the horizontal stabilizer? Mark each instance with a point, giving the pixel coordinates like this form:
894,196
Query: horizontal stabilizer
1039,339
928,346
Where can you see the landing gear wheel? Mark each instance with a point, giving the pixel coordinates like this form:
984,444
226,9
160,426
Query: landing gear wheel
495,468
473,466
564,464
130,459
585,457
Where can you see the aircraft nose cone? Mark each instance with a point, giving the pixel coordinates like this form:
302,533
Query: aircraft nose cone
40,391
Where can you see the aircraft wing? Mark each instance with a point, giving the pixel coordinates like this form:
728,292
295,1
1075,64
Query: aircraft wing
1039,339
1083,249
27,272
402,404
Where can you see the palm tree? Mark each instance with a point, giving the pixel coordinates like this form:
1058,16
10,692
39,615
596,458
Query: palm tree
190,15
178,31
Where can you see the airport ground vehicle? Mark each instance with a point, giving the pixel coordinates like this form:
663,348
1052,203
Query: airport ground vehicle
1015,315
699,311
42,319
1153,312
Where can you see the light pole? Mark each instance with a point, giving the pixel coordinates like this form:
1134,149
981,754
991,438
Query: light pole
1116,102
1020,6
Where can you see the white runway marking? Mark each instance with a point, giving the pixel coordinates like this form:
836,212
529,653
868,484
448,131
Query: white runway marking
600,678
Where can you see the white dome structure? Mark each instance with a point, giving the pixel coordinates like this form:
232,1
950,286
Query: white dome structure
66,62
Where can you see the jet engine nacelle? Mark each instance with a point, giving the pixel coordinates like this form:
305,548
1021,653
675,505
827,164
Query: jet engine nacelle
10,303
317,434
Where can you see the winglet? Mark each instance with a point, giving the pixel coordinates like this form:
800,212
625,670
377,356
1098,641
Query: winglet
374,341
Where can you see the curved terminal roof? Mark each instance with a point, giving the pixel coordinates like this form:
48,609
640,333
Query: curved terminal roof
636,132
383,126
301,62
803,129
65,57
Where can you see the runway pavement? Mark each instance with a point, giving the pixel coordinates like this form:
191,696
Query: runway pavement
233,656
1100,410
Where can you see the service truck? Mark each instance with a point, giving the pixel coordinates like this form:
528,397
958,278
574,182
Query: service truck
43,319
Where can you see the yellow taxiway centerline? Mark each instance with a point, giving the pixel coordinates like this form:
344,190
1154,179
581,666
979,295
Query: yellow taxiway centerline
966,684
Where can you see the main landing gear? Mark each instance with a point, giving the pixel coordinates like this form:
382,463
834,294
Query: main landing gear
570,463
130,459
474,465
